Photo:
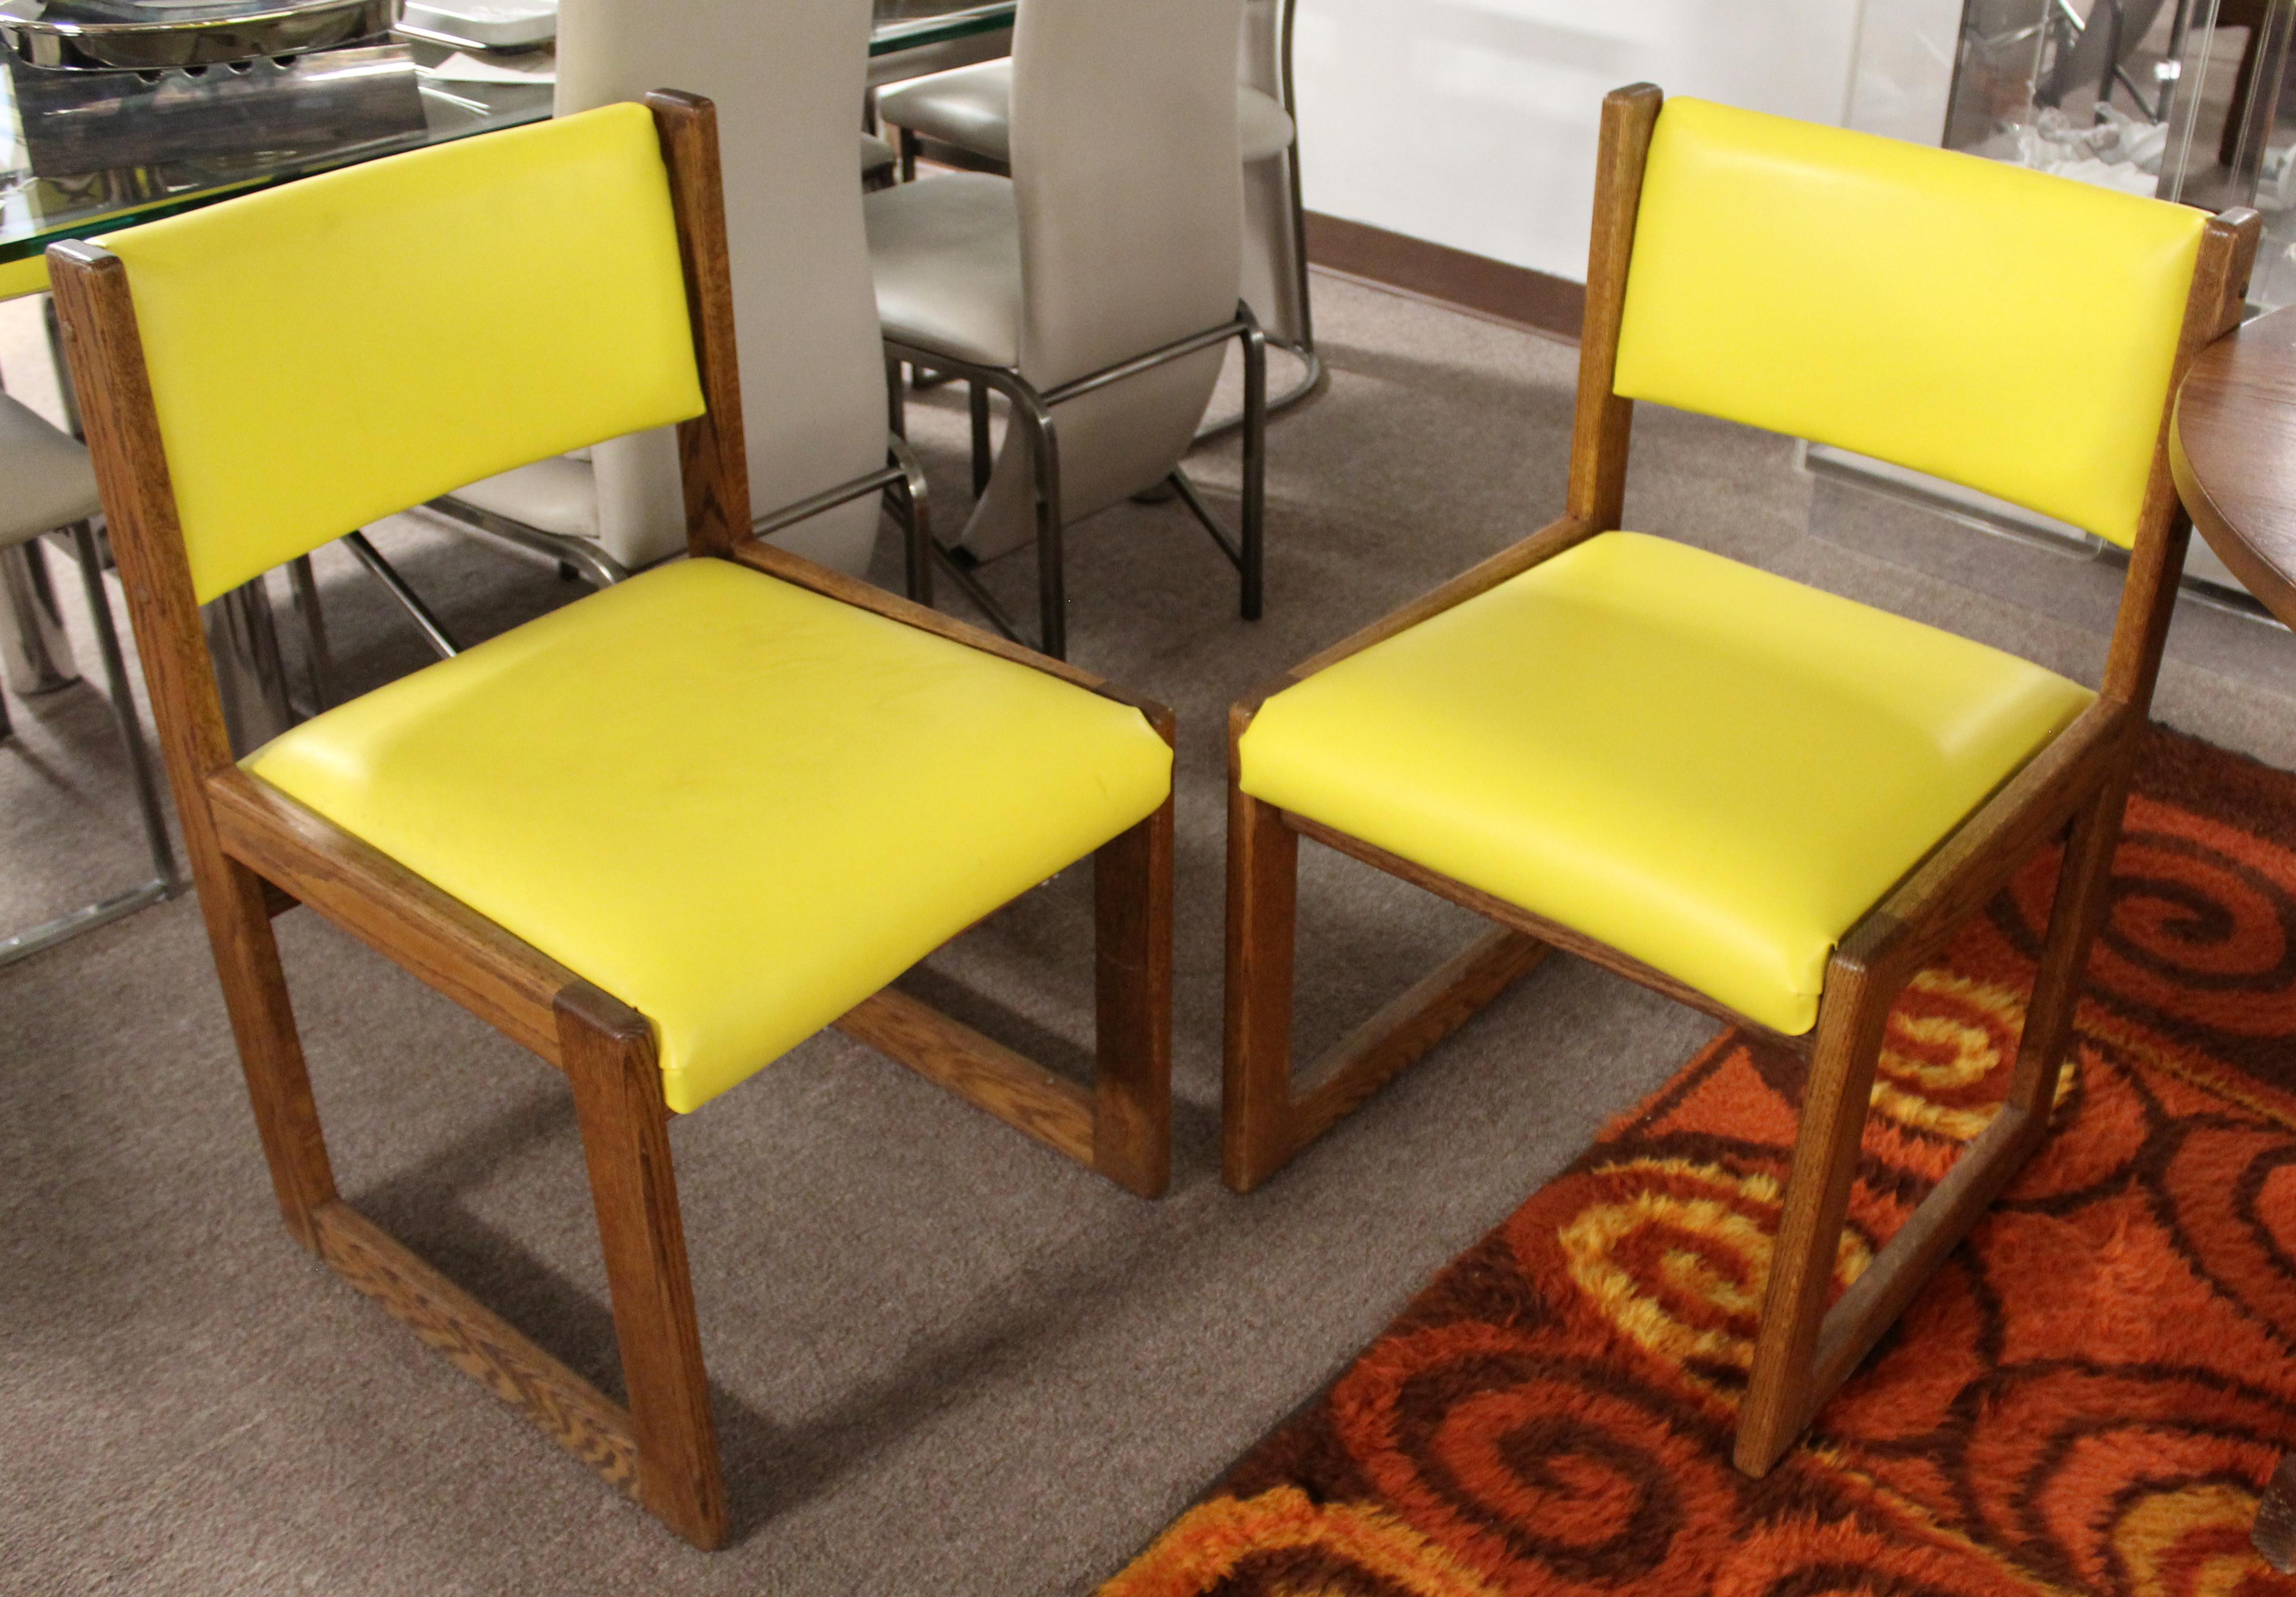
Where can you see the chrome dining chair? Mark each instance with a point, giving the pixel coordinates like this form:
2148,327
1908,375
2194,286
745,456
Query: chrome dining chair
969,109
786,76
52,486
1094,287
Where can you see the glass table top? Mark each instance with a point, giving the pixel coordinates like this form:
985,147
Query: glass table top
378,116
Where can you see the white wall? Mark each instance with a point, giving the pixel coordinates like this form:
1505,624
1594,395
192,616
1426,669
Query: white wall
1472,122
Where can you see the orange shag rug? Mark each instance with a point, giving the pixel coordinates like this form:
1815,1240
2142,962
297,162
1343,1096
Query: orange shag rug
2088,1399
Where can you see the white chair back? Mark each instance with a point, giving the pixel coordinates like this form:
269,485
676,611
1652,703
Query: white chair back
788,77
1271,258
1131,211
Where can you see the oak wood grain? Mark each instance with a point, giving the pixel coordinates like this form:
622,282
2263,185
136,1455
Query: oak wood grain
1555,933
1962,873
979,1069
1132,1002
434,937
713,448
2084,889
1602,420
1851,1017
97,312
1408,1026
477,1341
1897,1274
2148,593
609,1054
1263,873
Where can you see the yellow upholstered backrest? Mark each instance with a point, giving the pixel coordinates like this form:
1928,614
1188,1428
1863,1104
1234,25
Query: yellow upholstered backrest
2004,329
19,278
328,352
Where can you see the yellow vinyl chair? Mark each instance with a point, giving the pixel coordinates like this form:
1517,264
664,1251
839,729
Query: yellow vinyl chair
657,836
1764,800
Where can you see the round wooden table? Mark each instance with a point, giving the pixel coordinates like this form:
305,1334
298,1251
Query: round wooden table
2233,449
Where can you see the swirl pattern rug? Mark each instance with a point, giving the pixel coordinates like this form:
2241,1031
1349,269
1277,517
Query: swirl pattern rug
2089,1397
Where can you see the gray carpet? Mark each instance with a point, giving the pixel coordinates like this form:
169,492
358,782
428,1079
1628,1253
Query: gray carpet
944,1360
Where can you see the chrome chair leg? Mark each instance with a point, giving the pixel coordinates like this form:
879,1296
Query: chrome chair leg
434,631
1253,565
977,396
123,707
35,653
910,506
165,881
316,656
952,562
1033,411
1051,559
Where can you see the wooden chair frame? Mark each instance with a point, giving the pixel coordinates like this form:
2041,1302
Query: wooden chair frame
2074,786
256,852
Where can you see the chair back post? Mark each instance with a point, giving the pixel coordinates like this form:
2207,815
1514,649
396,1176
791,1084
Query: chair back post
105,350
1602,421
712,448
2148,594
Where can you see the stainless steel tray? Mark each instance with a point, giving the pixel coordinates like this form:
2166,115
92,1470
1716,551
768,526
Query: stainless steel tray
150,36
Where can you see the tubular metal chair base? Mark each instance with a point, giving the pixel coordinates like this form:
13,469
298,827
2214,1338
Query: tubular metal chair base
165,881
1034,410
1311,381
86,918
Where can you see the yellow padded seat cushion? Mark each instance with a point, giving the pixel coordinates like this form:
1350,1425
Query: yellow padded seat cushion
737,805
1712,769
326,353
2007,328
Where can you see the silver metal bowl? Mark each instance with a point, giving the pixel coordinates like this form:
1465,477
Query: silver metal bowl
150,36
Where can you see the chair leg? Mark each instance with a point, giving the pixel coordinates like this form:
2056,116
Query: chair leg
318,657
1805,1351
270,1051
123,707
1255,470
2083,887
609,1055
915,512
1780,1399
1263,868
908,156
977,399
1052,562
1132,1085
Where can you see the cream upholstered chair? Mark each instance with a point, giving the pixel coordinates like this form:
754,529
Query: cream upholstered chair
48,484
787,77
969,109
1095,286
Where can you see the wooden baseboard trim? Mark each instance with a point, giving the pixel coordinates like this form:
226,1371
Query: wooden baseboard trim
1456,279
